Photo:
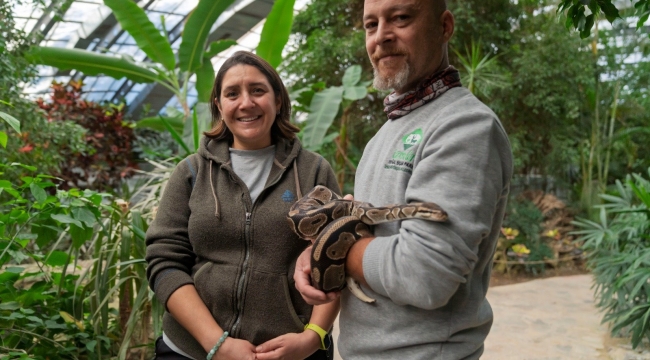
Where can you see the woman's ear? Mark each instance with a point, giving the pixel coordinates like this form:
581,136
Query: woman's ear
278,105
216,102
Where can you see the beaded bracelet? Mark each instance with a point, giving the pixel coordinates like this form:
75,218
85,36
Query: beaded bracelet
217,346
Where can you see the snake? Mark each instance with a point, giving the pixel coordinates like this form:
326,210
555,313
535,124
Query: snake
334,224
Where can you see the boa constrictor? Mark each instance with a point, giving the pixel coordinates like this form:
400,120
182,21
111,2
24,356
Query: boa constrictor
334,224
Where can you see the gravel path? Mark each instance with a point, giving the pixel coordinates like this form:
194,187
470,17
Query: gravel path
548,319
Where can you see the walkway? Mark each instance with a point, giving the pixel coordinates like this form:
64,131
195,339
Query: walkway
549,319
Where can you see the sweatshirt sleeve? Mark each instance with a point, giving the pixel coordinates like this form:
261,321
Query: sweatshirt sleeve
464,169
169,255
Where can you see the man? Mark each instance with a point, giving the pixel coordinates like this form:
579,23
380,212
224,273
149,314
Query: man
442,145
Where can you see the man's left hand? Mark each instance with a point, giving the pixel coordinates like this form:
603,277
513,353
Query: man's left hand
302,277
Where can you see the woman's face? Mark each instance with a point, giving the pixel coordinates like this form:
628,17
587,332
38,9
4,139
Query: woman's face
249,106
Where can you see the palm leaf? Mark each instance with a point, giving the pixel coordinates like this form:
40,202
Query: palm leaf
196,31
91,63
135,21
276,31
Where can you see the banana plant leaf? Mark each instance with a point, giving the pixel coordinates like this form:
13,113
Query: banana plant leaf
324,107
352,76
205,80
205,74
196,31
275,33
156,124
218,46
355,92
201,121
91,63
134,20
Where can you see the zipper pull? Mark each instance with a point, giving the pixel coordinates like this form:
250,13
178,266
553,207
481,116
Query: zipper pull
248,218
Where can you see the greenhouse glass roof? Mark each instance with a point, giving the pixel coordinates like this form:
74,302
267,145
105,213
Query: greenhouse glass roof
90,25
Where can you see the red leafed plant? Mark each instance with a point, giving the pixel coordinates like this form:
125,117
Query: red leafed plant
110,137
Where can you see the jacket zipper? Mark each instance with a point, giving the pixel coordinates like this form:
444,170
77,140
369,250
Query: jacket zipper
235,331
242,278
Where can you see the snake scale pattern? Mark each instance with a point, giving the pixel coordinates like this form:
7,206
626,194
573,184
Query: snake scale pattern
334,224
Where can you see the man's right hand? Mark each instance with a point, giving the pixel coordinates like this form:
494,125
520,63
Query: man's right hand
302,277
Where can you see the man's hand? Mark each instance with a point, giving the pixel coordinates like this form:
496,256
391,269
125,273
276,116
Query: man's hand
302,277
289,346
235,349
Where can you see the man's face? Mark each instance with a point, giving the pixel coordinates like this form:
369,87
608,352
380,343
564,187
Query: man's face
405,42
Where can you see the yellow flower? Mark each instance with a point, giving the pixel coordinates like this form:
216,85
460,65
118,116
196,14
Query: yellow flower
555,234
520,249
510,233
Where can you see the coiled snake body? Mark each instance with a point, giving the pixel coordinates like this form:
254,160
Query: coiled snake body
334,224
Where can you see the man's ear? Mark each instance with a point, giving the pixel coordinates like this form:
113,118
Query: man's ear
448,24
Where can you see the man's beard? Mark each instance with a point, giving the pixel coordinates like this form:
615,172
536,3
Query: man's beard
396,82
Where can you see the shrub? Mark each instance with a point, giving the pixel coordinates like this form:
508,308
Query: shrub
526,218
618,254
41,143
47,308
108,135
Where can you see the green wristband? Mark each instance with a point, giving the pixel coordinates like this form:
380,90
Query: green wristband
217,346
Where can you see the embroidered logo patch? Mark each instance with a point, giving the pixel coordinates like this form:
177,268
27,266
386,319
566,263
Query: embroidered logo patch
414,138
402,160
288,196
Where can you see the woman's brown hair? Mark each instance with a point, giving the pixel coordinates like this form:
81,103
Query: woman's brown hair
282,126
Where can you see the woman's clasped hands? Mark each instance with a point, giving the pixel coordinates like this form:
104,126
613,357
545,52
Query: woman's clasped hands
292,346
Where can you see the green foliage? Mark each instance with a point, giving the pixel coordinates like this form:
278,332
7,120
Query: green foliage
328,38
618,254
524,216
146,36
541,109
480,73
39,142
273,40
576,13
50,234
196,31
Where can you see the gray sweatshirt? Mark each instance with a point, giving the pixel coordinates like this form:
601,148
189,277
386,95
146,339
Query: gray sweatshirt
430,279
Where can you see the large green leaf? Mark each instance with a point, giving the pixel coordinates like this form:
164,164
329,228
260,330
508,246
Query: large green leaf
355,92
135,21
12,121
156,124
91,63
201,121
352,76
324,107
196,31
275,33
217,47
205,80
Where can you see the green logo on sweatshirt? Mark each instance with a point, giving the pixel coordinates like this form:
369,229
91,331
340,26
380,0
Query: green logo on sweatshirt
412,139
402,160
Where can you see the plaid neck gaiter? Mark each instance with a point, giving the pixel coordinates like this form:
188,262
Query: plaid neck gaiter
396,106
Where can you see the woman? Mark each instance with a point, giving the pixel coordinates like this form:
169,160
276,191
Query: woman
220,253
